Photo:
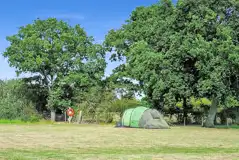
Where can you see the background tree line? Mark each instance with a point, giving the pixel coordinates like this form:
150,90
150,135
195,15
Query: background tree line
184,59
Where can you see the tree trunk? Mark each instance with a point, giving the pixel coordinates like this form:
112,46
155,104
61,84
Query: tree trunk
237,116
79,117
185,111
211,114
65,115
53,115
202,121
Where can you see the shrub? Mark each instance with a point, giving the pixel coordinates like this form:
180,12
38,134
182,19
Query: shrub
121,105
14,104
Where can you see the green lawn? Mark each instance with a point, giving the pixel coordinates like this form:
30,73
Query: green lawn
61,141
225,127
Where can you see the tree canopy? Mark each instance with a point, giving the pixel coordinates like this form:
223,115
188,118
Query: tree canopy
59,56
176,52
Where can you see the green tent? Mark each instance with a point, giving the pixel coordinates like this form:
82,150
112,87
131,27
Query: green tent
131,117
142,117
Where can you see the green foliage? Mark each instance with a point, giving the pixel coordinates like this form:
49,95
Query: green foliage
101,104
31,118
196,103
179,52
178,56
95,103
145,102
14,103
62,57
144,41
231,102
120,105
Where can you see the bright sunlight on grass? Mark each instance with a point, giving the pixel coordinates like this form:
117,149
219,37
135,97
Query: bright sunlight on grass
73,142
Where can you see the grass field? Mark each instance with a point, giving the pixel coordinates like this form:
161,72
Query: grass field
70,142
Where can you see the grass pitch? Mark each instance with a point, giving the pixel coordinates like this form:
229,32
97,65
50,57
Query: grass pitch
72,142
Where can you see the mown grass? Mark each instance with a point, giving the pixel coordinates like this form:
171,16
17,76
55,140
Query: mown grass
57,141
16,121
227,127
6,121
113,152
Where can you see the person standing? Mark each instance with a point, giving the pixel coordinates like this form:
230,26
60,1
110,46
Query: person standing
70,113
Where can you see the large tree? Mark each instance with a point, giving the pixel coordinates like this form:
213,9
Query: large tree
176,52
213,46
59,56
141,41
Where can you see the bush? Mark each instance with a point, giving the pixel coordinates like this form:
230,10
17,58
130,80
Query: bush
30,118
121,105
14,104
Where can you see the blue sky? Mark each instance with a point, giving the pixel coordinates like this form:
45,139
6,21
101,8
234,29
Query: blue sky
97,17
